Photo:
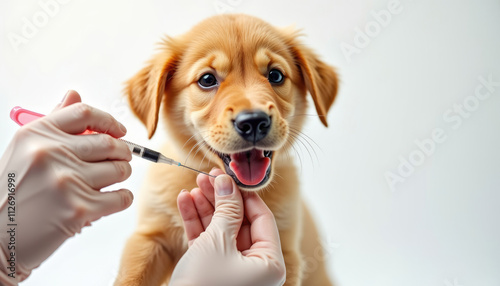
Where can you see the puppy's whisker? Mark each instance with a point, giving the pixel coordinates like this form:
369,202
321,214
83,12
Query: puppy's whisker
298,139
192,148
279,176
190,151
305,135
199,148
206,153
287,153
288,148
300,144
272,184
304,114
192,137
269,188
308,140
298,154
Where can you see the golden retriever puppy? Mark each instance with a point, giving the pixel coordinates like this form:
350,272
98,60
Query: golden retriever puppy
233,92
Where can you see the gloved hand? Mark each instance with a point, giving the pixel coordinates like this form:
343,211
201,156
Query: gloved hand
222,251
57,176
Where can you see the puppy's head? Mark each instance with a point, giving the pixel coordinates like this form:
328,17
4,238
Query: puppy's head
233,87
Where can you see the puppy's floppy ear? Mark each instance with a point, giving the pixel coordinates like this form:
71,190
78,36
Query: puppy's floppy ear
145,90
320,79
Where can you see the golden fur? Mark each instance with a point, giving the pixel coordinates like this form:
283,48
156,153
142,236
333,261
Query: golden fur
240,50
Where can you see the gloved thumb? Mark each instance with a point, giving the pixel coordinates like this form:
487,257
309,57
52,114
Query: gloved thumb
228,214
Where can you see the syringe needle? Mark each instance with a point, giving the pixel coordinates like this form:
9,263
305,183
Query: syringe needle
163,159
201,172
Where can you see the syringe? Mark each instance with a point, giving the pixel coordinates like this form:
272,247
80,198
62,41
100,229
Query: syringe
156,157
23,116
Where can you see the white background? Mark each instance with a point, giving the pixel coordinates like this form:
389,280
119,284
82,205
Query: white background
438,227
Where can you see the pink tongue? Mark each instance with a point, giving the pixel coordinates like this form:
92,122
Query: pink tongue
250,170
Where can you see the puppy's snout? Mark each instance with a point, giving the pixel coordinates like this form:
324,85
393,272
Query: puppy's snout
252,126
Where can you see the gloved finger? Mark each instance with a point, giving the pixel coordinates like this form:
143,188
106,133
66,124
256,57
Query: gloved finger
228,213
204,207
102,174
101,147
264,231
206,184
189,214
79,117
107,203
216,172
244,239
69,98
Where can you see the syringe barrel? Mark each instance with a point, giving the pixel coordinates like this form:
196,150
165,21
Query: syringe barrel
150,155
142,152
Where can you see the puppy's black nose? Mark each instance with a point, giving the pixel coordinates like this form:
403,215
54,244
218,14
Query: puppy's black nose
253,126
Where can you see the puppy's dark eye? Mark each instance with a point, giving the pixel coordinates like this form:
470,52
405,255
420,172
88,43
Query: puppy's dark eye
275,76
207,80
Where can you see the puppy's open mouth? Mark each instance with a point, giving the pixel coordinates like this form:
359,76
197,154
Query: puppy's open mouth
249,169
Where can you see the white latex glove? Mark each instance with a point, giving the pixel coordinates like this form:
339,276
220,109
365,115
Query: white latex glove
222,251
57,176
